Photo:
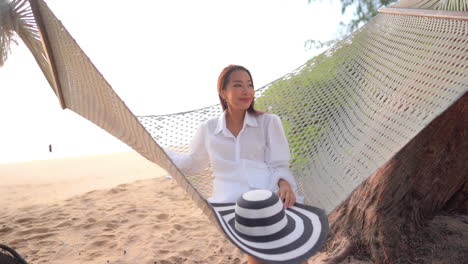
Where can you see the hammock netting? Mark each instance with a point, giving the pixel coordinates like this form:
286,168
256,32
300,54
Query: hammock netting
346,112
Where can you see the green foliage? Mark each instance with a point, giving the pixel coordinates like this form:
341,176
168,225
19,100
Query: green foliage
364,10
305,99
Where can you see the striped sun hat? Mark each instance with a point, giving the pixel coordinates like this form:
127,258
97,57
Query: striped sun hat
259,225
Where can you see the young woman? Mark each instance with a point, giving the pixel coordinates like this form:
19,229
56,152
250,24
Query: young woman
247,149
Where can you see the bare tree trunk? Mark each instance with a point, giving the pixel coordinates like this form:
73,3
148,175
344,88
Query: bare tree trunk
382,215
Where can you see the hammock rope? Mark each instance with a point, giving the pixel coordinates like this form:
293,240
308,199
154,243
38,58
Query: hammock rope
346,112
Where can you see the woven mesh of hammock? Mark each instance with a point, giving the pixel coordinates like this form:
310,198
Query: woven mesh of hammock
345,112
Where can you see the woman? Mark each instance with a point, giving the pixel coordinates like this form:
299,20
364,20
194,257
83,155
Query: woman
246,148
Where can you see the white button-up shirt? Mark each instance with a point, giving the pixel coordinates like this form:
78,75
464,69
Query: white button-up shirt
256,159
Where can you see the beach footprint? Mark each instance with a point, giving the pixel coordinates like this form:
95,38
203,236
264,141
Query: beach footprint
162,216
178,227
5,230
25,220
38,230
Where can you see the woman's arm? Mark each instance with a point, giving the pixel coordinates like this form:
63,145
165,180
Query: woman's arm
196,159
277,157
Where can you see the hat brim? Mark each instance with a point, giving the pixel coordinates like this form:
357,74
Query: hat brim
305,233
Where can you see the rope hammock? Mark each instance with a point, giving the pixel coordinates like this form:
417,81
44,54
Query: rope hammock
346,112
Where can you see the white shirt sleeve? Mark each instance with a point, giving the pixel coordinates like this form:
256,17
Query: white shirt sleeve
197,158
277,153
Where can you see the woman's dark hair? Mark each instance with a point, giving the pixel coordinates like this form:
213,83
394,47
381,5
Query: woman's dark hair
223,80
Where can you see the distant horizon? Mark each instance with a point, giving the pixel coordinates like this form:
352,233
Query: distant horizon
55,156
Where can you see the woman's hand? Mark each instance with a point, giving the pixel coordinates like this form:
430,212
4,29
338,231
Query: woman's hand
286,194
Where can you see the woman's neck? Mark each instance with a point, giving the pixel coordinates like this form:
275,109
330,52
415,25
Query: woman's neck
235,116
235,121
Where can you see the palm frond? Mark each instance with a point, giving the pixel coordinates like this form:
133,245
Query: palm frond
7,35
16,20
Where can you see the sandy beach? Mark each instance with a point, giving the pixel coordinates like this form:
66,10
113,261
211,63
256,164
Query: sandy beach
114,208
121,208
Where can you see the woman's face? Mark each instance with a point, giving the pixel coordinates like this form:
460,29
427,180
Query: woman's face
239,92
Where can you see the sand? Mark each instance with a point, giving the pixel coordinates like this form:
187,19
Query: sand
115,208
120,208
43,182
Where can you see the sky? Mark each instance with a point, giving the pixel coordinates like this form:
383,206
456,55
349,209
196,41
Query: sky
160,57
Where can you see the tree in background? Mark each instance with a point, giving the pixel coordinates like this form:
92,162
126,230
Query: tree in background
364,10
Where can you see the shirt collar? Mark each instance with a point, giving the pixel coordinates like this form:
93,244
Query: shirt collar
249,120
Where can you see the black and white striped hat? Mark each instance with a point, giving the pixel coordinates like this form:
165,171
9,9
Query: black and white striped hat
259,225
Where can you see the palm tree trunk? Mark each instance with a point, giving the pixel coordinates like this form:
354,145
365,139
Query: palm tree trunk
383,214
